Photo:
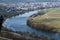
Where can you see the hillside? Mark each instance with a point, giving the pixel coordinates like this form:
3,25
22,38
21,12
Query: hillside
12,13
50,19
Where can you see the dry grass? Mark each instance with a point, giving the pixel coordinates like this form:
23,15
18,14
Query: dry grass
52,17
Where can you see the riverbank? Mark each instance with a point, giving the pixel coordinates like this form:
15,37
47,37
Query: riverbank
49,21
11,35
12,13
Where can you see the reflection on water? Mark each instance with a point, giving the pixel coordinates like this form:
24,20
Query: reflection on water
18,23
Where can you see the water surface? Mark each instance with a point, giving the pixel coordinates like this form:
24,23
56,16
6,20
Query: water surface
18,23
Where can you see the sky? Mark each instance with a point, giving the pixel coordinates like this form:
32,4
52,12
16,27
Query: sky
16,1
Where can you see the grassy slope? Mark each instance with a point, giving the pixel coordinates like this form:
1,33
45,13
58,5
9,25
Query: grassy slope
6,14
12,13
52,17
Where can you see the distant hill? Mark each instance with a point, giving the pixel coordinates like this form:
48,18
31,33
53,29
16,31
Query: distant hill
16,1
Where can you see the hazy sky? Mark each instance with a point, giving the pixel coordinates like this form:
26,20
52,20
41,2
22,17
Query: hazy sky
15,1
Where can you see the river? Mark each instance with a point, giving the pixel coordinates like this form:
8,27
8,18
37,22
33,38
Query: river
18,23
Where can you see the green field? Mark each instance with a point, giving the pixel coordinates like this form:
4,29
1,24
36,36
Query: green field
52,18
